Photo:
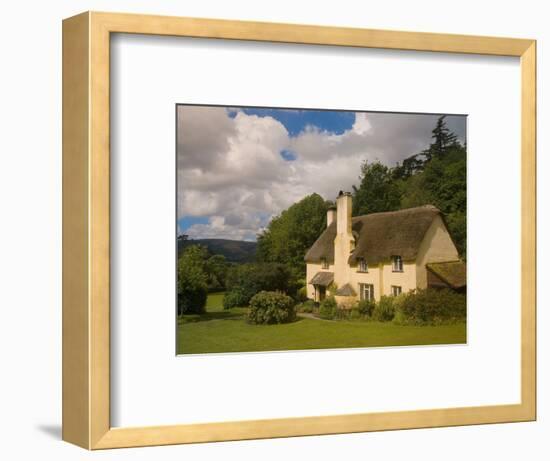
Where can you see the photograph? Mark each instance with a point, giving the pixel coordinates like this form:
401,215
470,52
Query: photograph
302,229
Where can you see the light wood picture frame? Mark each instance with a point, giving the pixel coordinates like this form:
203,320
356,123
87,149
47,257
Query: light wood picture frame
86,230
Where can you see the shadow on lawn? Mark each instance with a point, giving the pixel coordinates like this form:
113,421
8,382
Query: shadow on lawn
218,315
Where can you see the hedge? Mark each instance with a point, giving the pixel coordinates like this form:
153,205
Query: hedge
431,307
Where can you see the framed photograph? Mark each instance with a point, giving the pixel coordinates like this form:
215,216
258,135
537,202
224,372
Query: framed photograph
276,230
270,234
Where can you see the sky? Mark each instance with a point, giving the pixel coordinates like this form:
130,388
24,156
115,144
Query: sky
238,167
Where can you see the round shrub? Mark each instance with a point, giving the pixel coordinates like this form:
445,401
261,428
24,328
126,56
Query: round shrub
328,308
269,307
383,310
235,298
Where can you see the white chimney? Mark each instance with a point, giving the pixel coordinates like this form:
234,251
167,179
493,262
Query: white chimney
343,211
344,241
331,215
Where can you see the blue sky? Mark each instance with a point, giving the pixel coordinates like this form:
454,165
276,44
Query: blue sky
239,166
296,120
187,221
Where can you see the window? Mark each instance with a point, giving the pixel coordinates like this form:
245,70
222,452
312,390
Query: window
362,266
366,292
397,263
395,290
324,264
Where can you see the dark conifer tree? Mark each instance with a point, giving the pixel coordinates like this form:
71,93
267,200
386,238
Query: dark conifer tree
443,139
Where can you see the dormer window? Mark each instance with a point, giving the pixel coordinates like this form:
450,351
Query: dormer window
362,265
324,263
397,263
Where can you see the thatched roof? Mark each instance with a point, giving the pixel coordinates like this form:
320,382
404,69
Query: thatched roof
346,290
453,273
379,236
322,278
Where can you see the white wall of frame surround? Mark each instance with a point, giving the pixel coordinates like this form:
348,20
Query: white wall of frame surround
147,391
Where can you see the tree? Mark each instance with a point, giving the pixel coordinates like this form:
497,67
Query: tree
245,280
216,267
443,140
289,235
436,176
456,222
409,167
192,280
443,184
377,190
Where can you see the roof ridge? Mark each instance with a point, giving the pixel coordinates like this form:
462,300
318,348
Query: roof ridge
402,210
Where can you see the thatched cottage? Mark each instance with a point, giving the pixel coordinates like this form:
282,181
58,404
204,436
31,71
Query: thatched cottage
378,254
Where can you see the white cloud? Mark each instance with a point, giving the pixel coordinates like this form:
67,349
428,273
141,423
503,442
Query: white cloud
203,134
230,167
244,228
362,124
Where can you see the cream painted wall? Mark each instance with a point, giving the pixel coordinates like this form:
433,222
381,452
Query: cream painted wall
437,246
406,279
372,277
381,276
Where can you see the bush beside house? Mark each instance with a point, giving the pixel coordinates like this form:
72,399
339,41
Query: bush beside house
307,307
366,307
431,307
421,307
384,309
328,308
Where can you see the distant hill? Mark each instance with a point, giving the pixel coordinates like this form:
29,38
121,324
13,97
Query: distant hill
236,251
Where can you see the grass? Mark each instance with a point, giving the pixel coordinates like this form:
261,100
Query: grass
214,311
214,302
226,331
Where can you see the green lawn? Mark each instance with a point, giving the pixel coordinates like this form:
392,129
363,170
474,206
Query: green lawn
214,302
226,331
